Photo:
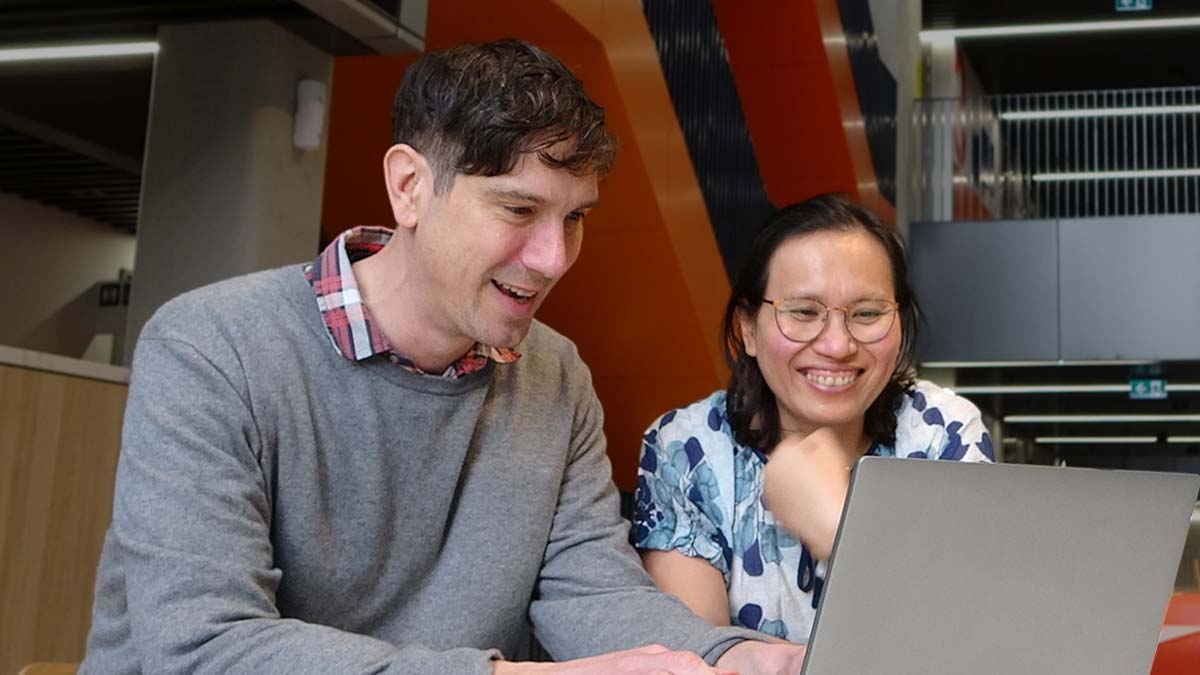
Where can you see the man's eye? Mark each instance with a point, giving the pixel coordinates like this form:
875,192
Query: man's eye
519,210
575,217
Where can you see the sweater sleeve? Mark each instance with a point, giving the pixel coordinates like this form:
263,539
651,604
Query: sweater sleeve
190,538
593,595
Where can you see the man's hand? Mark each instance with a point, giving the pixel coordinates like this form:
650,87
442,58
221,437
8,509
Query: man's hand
761,658
649,660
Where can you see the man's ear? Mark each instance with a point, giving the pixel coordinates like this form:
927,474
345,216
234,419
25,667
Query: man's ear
409,183
747,334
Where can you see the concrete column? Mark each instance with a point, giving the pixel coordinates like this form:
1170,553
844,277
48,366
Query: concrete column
907,65
224,191
935,145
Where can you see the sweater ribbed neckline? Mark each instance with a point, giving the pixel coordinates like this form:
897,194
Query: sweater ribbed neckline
300,296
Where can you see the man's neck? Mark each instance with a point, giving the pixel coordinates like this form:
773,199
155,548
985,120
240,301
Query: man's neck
394,297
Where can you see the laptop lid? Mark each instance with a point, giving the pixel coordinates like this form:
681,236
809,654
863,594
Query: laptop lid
944,568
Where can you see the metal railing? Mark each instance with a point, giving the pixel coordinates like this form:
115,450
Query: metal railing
1058,155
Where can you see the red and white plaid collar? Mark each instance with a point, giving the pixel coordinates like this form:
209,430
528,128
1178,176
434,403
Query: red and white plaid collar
348,320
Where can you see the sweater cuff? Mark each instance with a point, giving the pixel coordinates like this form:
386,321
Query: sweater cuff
724,638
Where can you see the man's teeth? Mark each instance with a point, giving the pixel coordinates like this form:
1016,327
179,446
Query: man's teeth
516,292
831,380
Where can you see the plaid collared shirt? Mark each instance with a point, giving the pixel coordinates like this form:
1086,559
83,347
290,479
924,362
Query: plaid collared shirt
351,329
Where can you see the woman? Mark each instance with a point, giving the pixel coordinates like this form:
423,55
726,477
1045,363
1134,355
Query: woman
740,494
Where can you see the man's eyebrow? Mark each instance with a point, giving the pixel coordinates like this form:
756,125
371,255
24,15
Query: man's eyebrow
530,197
516,195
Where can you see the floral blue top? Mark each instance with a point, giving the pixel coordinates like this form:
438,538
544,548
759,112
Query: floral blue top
699,492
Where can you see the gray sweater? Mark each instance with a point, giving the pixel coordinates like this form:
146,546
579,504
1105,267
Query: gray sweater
280,509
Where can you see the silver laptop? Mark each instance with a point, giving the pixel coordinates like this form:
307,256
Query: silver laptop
954,568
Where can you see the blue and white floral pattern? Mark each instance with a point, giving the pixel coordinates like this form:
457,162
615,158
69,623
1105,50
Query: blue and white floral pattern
700,493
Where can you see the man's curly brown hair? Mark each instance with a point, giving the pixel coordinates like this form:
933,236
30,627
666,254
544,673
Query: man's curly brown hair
475,109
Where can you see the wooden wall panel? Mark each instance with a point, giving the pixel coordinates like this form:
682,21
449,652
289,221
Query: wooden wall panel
59,441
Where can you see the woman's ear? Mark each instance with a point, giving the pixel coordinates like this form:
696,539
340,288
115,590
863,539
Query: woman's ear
409,183
747,333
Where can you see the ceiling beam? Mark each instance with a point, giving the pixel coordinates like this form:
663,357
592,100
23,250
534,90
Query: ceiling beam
372,26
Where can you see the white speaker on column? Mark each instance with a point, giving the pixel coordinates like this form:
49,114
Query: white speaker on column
310,114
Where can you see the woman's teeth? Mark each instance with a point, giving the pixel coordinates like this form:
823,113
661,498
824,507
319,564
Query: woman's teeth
831,380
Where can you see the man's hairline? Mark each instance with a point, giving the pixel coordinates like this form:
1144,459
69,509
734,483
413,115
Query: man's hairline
454,175
596,169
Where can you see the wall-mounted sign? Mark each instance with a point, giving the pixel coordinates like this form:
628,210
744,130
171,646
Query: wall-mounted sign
1148,388
1133,5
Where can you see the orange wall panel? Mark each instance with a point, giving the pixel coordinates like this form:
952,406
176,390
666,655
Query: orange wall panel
1180,656
360,131
1183,609
542,22
793,77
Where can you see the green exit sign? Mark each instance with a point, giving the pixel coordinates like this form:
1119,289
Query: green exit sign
1148,389
1133,5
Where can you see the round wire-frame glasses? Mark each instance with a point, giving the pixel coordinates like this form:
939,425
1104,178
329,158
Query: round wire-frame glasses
803,319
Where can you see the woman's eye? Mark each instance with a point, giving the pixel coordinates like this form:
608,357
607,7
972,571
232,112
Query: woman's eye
868,315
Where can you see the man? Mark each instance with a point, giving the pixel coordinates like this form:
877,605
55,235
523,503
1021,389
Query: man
380,462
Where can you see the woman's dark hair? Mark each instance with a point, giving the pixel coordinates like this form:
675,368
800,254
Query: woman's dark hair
475,109
750,404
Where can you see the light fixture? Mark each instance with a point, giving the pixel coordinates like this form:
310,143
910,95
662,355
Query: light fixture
1097,419
951,34
104,50
1033,364
1042,388
1063,388
1111,440
1114,175
1092,440
1026,115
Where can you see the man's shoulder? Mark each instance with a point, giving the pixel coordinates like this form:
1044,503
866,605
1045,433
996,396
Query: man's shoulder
550,368
545,347
544,338
238,303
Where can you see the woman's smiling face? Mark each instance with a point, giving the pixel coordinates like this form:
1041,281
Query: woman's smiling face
831,380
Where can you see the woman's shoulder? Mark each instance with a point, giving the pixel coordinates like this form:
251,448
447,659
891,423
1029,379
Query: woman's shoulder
934,421
698,430
707,413
936,405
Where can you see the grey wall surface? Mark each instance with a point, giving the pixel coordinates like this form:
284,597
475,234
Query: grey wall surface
1070,289
224,192
1130,288
988,289
56,258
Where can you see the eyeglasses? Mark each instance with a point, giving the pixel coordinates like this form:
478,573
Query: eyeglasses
802,320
